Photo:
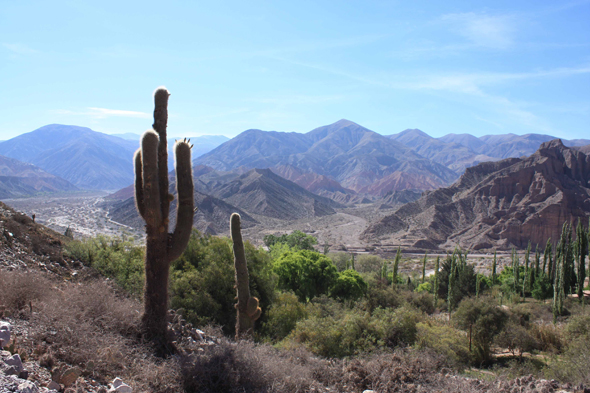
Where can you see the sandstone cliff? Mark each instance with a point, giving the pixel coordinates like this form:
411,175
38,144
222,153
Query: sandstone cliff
497,204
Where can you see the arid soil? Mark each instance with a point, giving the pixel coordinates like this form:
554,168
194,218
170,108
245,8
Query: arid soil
84,213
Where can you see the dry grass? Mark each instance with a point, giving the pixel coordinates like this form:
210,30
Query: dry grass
89,326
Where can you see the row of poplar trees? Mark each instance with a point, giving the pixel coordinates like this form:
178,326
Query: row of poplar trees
561,272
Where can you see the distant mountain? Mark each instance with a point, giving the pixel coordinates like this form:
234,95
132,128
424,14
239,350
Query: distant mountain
352,155
451,154
212,214
263,192
19,179
86,158
467,140
497,204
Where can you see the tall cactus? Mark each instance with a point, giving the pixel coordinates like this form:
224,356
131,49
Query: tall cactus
153,203
247,306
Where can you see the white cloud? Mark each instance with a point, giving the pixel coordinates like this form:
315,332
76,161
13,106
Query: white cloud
488,31
102,113
20,49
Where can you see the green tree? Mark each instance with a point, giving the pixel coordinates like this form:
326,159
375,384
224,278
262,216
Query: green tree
483,321
398,257
494,269
296,240
349,285
307,273
542,288
463,282
435,289
424,267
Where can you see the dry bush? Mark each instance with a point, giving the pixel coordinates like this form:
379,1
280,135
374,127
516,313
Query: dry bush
89,326
548,335
404,371
19,291
247,367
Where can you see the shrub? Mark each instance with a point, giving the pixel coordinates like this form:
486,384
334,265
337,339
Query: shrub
306,273
443,339
516,339
203,279
283,315
18,291
114,258
336,332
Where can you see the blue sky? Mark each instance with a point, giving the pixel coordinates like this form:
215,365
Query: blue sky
444,67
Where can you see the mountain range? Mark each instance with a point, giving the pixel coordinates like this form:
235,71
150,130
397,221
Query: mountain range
86,158
342,161
500,204
19,179
357,158
258,193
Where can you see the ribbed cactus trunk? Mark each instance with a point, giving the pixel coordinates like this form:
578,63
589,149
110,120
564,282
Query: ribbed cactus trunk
247,306
153,203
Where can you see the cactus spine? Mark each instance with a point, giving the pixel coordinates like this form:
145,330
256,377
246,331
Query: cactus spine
247,306
153,204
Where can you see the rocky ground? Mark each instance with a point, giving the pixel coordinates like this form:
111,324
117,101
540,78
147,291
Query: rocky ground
85,213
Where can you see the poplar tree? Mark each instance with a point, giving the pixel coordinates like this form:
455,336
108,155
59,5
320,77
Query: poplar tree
436,267
547,259
494,269
581,252
452,276
424,268
525,281
398,257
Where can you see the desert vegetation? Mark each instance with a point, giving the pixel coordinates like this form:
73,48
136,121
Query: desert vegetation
365,325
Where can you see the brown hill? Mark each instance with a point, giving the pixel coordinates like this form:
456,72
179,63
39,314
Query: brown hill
211,217
263,192
20,179
497,204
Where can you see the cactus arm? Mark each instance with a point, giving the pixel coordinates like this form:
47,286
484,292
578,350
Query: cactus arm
247,307
139,204
151,190
160,122
185,208
242,277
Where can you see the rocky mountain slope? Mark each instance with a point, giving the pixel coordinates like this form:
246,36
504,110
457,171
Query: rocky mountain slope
460,151
211,217
350,154
497,204
19,179
263,192
86,158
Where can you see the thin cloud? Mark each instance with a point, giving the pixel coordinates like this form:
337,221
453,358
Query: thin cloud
102,113
496,32
20,49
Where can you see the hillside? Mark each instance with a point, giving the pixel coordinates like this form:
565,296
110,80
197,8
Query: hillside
19,179
500,204
87,159
346,152
211,217
261,191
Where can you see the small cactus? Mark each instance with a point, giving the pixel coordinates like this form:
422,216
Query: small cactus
247,307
